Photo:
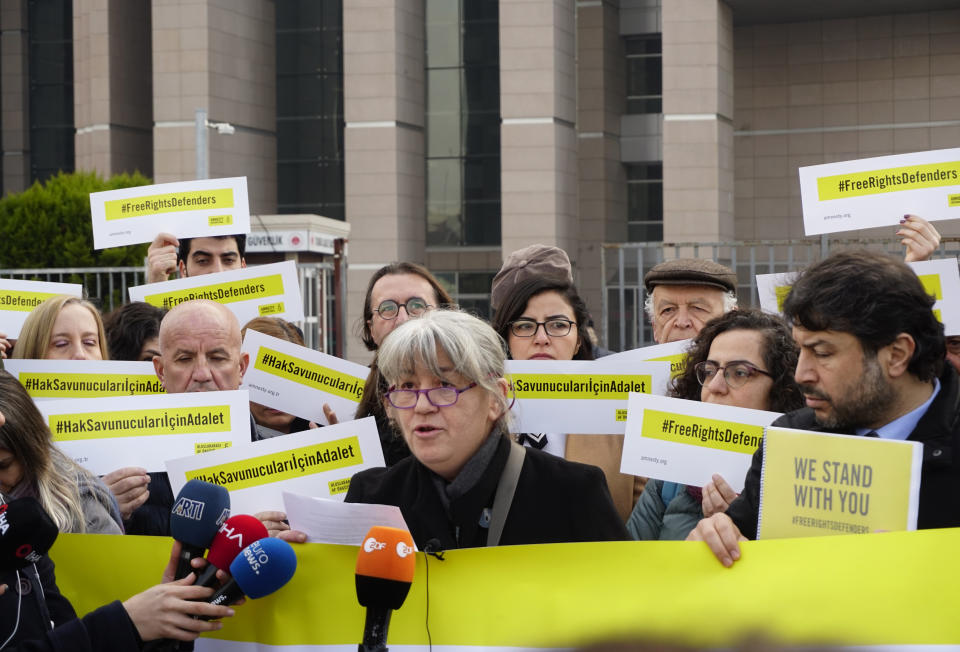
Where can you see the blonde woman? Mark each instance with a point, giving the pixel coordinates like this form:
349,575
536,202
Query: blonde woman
31,465
62,328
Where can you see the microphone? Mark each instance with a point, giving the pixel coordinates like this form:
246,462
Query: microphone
199,511
385,567
260,569
234,535
26,533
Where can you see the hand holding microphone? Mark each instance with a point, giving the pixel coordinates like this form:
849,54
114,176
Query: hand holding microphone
260,569
234,535
197,514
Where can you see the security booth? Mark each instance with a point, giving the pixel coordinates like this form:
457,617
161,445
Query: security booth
318,245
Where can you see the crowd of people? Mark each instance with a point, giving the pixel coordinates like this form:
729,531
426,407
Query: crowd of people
858,352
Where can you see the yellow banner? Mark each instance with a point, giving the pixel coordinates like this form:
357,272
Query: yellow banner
816,485
815,591
45,385
171,202
698,431
246,290
139,423
875,182
285,465
21,301
309,374
931,283
579,386
678,363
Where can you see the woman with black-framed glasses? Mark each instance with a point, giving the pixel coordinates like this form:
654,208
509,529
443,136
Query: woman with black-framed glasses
541,316
743,358
447,392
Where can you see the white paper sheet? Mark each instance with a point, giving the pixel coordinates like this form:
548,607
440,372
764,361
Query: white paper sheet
298,380
105,434
19,298
677,440
579,396
262,291
187,209
316,462
879,191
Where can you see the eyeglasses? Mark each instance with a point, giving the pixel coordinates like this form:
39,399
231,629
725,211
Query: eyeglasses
404,399
389,309
552,327
735,375
953,345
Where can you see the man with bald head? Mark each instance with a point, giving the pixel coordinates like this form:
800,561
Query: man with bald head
200,349
199,352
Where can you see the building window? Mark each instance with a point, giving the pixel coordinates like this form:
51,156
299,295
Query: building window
310,107
644,73
462,123
471,290
645,202
50,42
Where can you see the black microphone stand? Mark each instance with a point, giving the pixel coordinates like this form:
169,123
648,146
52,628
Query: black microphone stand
375,630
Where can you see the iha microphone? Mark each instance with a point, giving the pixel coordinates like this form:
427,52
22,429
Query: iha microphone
234,535
26,533
199,511
260,569
385,567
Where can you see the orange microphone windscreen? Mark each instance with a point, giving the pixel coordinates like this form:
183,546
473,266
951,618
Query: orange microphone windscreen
387,553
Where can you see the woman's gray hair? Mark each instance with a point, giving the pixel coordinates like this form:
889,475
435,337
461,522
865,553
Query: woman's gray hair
474,348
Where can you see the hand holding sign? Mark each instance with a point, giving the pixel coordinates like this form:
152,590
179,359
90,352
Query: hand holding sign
919,237
162,257
717,496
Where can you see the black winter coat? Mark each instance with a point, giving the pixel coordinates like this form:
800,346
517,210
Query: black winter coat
938,430
556,501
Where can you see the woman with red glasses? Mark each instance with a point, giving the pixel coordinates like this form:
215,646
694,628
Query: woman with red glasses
467,484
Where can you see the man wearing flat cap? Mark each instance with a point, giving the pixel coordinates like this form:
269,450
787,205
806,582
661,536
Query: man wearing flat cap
684,294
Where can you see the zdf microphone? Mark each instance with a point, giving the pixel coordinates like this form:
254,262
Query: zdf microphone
26,533
234,535
199,511
260,569
386,564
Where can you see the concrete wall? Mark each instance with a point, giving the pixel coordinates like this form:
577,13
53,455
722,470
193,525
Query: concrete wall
833,90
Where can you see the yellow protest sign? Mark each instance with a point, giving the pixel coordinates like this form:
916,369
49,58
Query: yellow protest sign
816,484
50,385
282,465
309,373
579,386
678,363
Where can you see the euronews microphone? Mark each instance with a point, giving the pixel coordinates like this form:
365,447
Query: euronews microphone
260,569
197,514
26,533
385,567
234,535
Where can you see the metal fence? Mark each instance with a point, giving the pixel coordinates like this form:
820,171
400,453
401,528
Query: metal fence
107,288
625,326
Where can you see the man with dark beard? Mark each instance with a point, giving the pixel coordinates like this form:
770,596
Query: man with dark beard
871,364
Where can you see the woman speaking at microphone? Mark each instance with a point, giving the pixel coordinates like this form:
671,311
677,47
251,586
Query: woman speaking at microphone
467,484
